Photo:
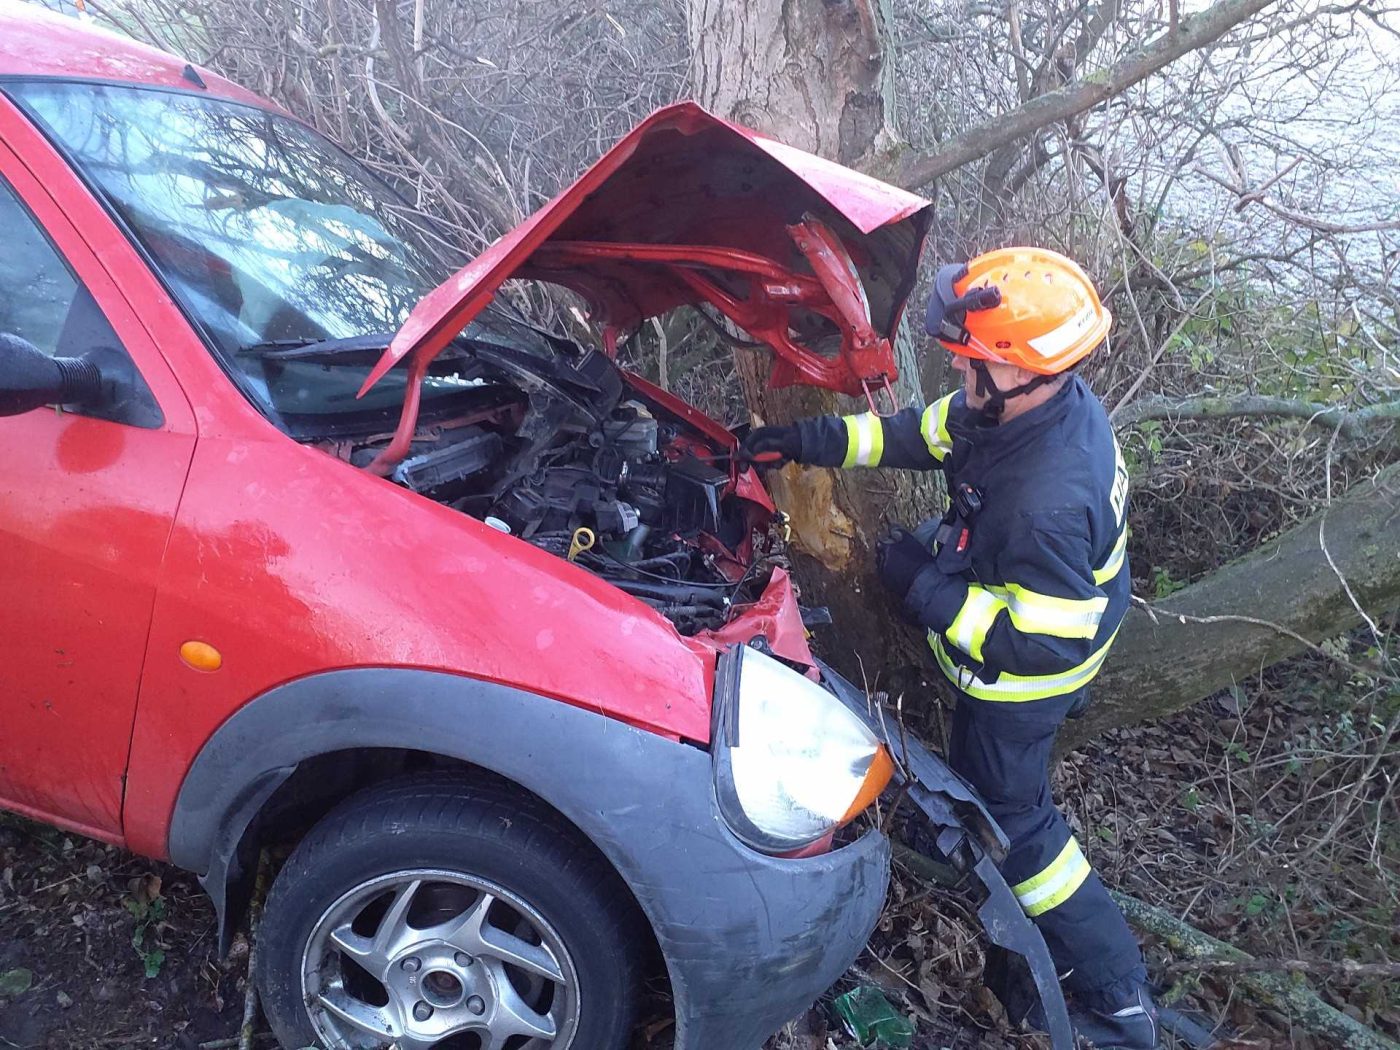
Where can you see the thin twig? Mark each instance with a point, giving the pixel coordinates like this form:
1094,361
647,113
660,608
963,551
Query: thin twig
1181,617
250,996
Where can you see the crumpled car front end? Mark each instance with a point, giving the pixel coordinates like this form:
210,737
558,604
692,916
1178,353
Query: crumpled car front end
755,912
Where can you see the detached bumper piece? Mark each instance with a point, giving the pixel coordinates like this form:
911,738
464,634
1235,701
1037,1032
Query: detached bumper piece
953,827
973,849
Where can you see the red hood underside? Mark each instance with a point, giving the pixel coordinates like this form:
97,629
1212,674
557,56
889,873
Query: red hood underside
811,257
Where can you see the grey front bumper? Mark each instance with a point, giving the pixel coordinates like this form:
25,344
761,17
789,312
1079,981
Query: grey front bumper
751,941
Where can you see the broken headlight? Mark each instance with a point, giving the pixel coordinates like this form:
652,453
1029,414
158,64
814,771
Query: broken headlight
792,762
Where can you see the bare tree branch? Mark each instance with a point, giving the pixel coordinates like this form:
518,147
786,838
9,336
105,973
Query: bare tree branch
1257,196
1192,33
1351,422
1342,968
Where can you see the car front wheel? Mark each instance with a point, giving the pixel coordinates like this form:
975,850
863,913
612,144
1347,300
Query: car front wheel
428,914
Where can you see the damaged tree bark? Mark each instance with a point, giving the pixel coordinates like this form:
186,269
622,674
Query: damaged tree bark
815,74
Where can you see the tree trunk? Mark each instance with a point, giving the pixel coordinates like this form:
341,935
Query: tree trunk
814,73
1162,663
810,71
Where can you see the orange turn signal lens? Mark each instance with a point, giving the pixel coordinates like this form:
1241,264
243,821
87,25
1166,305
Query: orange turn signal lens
877,777
201,656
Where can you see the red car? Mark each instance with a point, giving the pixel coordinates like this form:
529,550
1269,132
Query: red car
312,549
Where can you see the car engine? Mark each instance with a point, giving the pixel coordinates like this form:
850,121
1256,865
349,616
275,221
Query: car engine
550,443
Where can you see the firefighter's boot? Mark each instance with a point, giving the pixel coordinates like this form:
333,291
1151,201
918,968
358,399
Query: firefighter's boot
1133,1025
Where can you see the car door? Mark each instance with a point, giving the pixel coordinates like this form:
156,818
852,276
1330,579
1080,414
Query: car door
86,508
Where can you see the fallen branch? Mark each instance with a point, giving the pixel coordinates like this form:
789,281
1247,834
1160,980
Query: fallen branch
1277,981
1348,969
926,867
1351,422
1210,634
1188,35
1288,993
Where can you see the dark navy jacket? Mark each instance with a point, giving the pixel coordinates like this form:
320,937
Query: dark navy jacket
1027,610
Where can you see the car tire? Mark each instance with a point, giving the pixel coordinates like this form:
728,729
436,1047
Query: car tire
431,912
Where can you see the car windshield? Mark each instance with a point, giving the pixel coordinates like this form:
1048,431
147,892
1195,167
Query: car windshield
270,236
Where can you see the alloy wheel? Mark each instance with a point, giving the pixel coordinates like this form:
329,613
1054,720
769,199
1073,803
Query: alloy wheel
427,959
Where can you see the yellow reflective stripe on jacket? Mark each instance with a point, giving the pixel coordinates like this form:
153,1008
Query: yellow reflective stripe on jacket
1055,883
969,628
934,428
865,440
1114,563
1017,688
1034,613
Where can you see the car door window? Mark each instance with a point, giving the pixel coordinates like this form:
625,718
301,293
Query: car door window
42,301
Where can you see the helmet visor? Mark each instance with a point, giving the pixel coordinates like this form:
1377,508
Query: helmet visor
945,318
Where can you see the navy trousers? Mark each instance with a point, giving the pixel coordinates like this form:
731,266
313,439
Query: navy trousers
1004,751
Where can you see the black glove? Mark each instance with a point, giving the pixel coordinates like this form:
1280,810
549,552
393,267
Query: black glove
771,446
899,558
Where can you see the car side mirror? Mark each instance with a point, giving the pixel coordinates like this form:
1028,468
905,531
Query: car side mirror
30,379
101,383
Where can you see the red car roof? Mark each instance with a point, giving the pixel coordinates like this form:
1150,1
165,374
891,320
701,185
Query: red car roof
39,43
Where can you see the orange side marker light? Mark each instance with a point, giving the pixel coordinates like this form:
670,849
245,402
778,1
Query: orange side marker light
201,656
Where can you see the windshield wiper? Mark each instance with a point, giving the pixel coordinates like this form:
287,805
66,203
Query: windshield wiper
319,349
354,349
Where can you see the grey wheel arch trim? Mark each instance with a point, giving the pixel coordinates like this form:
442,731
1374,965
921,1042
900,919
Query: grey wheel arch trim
547,747
522,736
721,913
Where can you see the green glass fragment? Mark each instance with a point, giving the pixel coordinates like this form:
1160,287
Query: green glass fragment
869,1017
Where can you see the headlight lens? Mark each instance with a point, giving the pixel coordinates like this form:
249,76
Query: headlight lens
792,762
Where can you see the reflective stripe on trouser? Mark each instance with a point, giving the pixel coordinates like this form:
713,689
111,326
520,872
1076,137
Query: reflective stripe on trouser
1004,752
1055,883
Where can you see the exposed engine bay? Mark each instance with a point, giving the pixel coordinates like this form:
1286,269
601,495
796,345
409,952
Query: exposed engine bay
552,443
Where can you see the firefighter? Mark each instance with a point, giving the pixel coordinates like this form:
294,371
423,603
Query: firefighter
1021,586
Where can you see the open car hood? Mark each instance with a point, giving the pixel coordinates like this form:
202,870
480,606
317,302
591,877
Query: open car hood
807,256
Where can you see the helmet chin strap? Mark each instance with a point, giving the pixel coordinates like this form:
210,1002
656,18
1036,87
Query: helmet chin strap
996,397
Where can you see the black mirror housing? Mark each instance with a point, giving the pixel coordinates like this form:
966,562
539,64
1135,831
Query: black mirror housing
102,383
29,379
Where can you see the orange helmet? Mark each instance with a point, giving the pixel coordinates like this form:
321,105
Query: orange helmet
1019,306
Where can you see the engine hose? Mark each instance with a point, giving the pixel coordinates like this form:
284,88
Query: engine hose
674,558
682,610
675,593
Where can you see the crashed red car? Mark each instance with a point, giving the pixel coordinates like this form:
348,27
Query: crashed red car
325,555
